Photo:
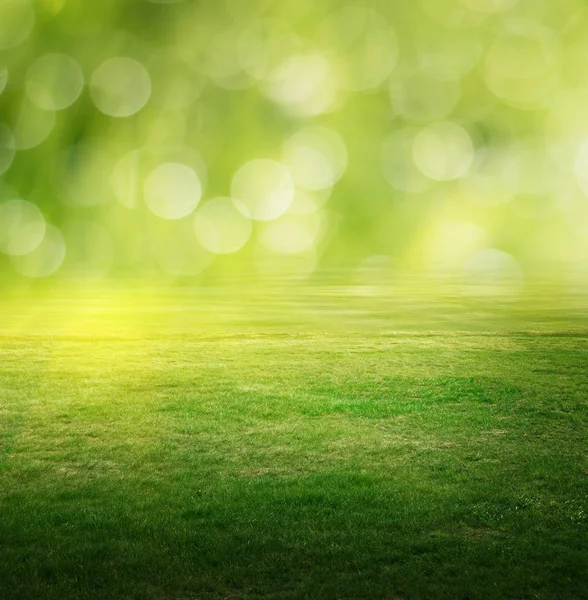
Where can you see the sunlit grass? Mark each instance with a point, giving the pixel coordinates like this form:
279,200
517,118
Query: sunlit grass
292,444
293,299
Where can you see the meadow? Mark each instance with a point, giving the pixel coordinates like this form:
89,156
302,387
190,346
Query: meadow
314,442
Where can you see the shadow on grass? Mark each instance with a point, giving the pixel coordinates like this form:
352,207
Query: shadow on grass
331,535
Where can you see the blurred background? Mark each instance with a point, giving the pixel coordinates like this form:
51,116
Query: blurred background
258,139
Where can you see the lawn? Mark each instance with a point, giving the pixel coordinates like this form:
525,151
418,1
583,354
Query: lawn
319,443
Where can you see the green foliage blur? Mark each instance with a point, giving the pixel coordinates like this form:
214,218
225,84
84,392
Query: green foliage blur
143,138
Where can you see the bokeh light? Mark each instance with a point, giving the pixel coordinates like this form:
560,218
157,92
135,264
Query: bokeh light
305,84
54,81
364,43
306,202
265,44
45,259
222,226
398,166
443,151
270,139
448,245
17,19
22,227
32,126
447,56
520,66
120,87
264,187
316,157
172,191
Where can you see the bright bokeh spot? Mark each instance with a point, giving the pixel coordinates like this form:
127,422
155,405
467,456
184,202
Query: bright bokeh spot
221,227
443,151
54,81
22,227
306,84
120,87
172,191
45,259
316,157
339,131
264,187
294,233
306,202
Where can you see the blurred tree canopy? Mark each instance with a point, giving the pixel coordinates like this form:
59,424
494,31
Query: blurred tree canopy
180,137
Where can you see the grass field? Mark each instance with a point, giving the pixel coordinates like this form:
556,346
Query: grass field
318,443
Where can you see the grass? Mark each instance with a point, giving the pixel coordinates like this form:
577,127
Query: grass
296,449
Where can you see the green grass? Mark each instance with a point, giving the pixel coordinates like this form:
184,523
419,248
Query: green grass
152,453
